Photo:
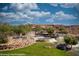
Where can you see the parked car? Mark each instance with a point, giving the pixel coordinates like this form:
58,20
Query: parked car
63,47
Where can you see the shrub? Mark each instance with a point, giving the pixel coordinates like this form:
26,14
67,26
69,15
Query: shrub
3,38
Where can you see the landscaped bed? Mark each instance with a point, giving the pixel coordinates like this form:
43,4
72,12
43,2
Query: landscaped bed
38,49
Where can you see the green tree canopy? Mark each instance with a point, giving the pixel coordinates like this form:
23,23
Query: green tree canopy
50,31
3,38
21,29
63,29
70,40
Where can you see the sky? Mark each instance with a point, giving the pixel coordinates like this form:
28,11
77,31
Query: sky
39,13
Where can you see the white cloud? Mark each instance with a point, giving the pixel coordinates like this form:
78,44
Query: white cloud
50,20
27,16
64,5
15,16
68,5
21,6
5,8
77,7
38,14
24,6
24,10
54,4
60,16
31,16
8,15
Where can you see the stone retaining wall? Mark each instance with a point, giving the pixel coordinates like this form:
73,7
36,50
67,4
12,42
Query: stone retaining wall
16,44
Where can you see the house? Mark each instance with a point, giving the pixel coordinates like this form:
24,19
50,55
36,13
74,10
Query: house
46,39
51,40
61,33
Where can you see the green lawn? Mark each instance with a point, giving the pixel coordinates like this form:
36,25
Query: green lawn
37,49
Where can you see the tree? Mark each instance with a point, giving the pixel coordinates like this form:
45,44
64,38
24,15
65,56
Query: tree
3,38
18,30
63,29
28,28
22,29
5,31
38,29
70,40
50,31
5,28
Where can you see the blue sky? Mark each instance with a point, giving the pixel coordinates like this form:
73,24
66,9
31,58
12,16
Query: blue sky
40,13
